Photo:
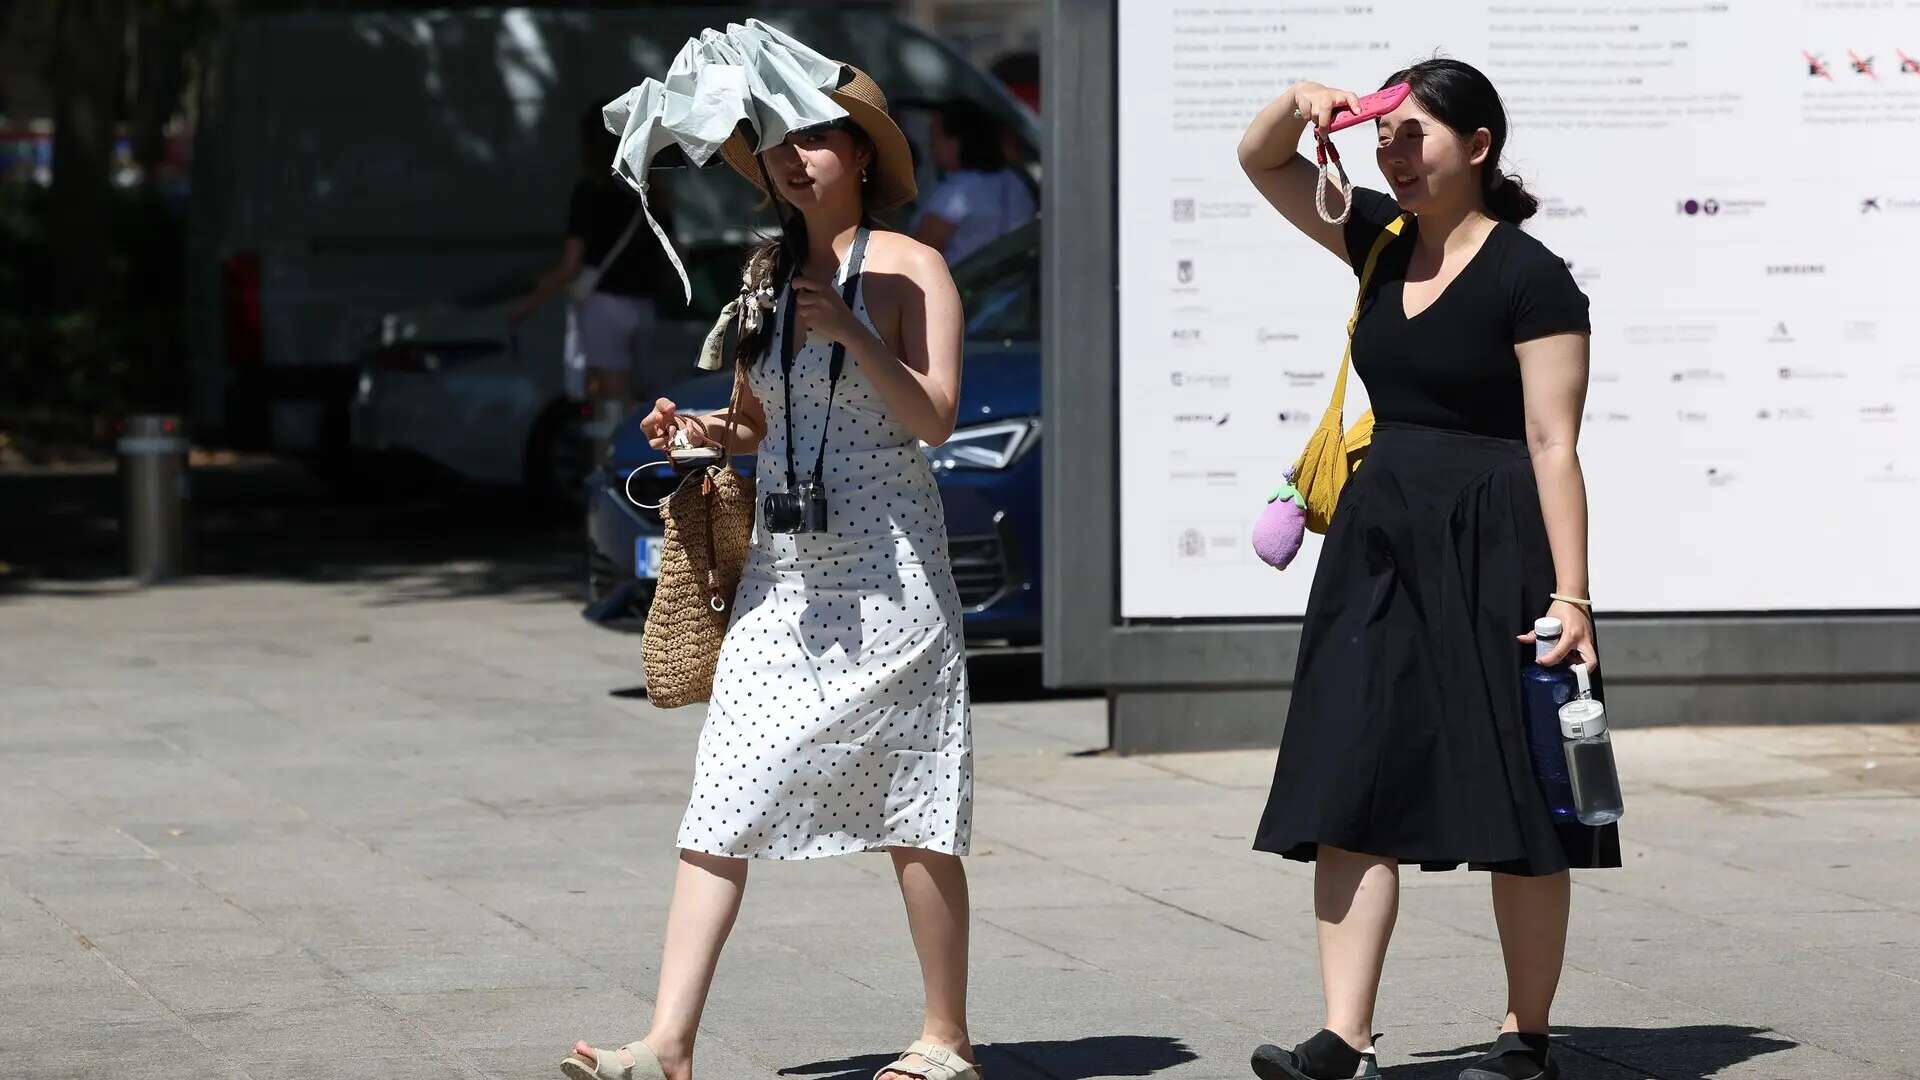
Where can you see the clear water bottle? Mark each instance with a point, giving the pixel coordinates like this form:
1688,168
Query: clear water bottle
1543,690
1591,775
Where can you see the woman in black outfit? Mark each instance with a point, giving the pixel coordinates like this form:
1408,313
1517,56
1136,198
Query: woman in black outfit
1404,743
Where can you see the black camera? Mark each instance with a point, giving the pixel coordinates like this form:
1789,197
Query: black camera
802,510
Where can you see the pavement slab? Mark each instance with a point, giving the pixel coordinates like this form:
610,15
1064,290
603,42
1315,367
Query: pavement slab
260,829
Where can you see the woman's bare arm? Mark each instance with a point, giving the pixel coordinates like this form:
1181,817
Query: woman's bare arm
744,425
556,278
1553,376
1286,179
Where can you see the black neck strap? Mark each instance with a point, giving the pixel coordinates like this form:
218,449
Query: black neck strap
789,349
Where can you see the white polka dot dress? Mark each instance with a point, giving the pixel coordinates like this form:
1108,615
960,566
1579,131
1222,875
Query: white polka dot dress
839,718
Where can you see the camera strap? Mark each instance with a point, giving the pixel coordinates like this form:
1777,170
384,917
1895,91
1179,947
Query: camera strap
789,349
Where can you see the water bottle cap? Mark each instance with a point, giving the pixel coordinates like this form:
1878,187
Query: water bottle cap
1583,718
1546,627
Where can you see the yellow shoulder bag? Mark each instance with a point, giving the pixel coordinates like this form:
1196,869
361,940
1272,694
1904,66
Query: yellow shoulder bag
1332,455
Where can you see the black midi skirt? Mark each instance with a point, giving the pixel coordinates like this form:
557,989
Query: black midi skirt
1405,736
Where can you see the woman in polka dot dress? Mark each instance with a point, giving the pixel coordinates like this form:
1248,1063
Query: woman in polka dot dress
839,717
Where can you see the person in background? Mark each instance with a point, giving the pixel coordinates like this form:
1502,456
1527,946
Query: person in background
983,196
610,328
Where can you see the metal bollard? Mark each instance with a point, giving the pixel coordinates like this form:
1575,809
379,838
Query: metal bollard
153,472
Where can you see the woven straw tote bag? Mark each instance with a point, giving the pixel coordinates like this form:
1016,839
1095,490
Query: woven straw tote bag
709,526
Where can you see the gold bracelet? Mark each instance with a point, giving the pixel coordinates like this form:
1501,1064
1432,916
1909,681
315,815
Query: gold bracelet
1575,600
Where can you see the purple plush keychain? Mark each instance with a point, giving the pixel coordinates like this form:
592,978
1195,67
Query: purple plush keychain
1280,527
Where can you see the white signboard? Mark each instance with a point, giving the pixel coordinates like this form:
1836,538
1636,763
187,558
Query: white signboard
1736,185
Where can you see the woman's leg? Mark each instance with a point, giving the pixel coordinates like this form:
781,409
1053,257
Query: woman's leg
934,886
1531,913
1356,899
706,898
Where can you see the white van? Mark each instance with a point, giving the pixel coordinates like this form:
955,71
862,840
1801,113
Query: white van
352,165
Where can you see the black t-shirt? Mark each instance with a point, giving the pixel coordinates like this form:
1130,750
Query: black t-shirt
1453,366
597,213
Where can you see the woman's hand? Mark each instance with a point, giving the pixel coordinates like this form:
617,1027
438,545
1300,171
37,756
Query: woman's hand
822,311
1576,635
1315,103
660,424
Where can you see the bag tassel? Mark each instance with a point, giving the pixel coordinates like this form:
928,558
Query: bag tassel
710,358
750,307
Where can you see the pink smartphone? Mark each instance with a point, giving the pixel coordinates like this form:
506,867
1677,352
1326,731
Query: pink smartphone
1372,107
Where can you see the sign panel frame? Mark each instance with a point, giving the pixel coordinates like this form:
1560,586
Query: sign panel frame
1798,666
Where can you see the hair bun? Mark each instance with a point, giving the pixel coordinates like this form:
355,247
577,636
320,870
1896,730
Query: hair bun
1509,200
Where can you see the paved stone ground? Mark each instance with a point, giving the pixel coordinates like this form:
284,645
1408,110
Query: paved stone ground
258,829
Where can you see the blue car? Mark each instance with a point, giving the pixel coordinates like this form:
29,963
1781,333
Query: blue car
989,471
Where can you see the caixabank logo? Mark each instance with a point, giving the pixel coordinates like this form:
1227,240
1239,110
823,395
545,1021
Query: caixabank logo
1889,204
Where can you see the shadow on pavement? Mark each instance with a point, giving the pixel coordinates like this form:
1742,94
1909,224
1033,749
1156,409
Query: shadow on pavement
274,520
1062,1059
1692,1052
995,676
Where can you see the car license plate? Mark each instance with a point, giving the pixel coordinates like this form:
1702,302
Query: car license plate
646,556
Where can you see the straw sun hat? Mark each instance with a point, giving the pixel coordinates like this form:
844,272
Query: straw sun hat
892,167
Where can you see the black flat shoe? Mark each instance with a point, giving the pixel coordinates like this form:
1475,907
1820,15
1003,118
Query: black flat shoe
1326,1056
1515,1056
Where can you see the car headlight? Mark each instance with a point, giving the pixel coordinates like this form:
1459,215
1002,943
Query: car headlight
985,446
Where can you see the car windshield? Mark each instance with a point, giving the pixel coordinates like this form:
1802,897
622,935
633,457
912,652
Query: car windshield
1000,288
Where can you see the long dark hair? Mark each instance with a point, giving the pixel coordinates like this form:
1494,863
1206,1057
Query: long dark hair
1459,96
781,253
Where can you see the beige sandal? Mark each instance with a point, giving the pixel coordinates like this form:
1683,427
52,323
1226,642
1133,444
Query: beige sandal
605,1065
937,1063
